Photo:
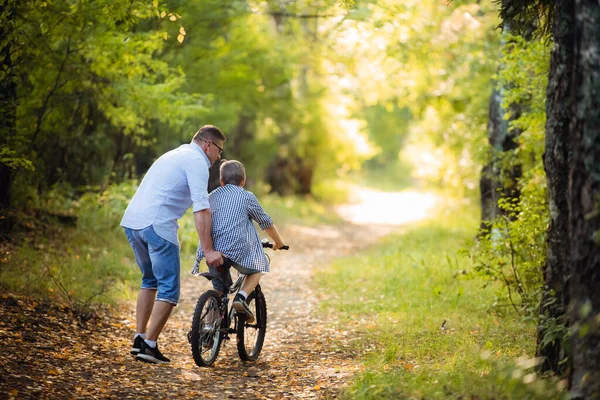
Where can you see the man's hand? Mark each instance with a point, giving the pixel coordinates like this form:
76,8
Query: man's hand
214,258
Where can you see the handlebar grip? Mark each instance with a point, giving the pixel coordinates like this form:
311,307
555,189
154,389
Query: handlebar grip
270,246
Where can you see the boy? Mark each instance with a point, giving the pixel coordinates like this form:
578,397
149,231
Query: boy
232,209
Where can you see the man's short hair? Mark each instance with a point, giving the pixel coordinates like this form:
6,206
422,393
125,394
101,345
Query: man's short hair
232,172
209,132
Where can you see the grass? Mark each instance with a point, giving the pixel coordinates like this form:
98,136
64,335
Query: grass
425,331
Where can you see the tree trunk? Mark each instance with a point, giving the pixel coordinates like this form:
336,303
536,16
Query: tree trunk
489,182
8,97
555,297
584,310
496,182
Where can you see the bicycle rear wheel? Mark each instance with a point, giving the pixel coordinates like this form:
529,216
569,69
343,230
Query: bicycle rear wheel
205,333
250,337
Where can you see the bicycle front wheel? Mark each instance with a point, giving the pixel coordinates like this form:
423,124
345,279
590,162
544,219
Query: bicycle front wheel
250,337
205,333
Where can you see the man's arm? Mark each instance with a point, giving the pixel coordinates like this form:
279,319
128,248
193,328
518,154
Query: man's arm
203,222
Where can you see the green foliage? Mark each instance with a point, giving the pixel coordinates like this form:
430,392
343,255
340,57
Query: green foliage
89,89
387,127
80,265
437,68
512,251
421,329
512,248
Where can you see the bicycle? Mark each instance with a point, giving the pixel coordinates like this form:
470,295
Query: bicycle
214,316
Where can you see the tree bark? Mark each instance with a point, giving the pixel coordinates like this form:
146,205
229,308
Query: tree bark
555,297
584,310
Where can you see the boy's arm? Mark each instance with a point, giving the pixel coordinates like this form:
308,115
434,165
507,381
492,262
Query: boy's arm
274,234
203,222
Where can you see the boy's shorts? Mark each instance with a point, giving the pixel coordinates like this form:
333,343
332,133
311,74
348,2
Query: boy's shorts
158,260
225,274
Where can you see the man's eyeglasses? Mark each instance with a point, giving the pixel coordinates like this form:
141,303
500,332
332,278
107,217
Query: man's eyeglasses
218,147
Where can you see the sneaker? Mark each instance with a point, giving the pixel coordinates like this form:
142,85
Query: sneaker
241,307
151,355
137,345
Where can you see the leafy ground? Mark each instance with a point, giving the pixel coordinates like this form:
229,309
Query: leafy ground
48,352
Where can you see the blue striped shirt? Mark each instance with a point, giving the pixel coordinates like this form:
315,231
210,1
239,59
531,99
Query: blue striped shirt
233,209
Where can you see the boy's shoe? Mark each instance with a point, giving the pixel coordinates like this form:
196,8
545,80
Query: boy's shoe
241,307
152,355
137,345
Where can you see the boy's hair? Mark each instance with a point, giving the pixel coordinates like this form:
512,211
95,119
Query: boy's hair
209,132
232,172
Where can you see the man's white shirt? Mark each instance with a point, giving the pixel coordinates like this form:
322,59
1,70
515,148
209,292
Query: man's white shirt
177,180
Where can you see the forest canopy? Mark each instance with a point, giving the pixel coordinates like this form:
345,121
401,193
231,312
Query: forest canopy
306,92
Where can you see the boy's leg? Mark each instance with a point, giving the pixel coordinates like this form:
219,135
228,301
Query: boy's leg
239,302
250,282
221,286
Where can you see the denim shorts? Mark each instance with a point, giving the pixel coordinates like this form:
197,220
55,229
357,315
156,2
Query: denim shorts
158,260
224,273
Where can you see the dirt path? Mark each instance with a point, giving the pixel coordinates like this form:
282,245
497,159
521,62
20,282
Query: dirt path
50,356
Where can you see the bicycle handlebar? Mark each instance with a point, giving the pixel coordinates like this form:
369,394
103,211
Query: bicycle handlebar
266,244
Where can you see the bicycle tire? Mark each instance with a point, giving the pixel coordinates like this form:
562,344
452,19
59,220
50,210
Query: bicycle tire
205,332
250,337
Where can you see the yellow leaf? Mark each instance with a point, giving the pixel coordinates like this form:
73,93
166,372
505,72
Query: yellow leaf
317,387
162,14
14,392
172,17
165,35
180,38
53,372
182,31
155,3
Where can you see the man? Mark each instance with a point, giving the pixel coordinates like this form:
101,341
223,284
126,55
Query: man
177,180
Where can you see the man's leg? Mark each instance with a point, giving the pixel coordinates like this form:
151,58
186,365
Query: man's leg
165,268
143,309
147,293
160,315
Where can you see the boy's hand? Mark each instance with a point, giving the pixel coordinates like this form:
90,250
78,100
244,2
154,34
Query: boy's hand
278,245
214,258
